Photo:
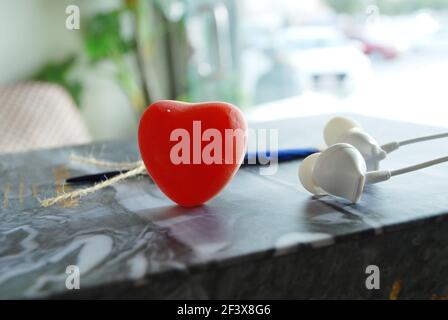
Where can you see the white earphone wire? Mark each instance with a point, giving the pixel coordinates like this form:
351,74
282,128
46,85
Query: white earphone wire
425,138
418,166
392,146
383,175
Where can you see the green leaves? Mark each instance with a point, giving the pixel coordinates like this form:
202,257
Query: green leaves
58,73
103,38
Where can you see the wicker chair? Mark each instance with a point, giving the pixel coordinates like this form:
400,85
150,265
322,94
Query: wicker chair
35,115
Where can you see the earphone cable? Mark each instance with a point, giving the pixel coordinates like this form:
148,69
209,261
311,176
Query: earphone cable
425,138
418,166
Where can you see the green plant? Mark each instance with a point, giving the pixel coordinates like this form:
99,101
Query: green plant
103,40
58,73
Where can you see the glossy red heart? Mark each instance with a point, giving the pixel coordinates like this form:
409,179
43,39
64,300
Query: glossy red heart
179,144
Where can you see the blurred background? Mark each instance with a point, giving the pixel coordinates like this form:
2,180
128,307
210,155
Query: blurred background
273,59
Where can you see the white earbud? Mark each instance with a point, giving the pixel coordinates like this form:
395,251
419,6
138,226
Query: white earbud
341,171
345,130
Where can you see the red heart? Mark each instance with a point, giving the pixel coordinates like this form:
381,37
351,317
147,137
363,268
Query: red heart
162,133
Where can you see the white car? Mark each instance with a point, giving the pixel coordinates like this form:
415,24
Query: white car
324,58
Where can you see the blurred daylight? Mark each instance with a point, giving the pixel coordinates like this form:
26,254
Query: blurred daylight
273,59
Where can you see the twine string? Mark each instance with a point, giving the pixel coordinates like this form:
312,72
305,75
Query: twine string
135,168
105,164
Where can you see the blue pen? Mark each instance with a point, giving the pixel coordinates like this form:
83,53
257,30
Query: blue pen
251,158
264,157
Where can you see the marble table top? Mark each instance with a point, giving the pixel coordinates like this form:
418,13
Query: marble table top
130,232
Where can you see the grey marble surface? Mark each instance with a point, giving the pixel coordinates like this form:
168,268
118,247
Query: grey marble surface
125,235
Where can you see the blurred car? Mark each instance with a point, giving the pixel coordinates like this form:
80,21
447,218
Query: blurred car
324,58
378,49
393,36
382,44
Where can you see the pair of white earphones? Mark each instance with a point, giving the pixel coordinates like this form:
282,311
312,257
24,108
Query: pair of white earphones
352,160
